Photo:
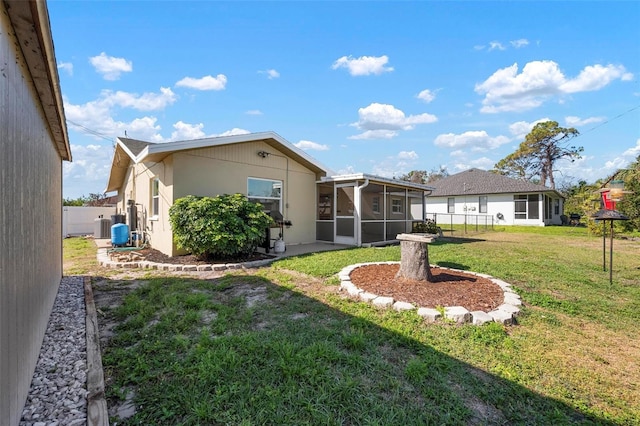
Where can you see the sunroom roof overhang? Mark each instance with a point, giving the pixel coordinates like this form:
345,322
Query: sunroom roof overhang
376,179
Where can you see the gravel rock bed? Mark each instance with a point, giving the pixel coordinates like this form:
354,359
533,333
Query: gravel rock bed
58,393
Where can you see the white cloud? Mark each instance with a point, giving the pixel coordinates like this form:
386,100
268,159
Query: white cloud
396,165
426,95
383,121
207,82
577,121
186,131
375,134
254,112
407,155
496,45
506,90
144,102
110,67
271,74
235,131
477,140
66,66
89,171
522,42
520,129
364,65
98,115
311,146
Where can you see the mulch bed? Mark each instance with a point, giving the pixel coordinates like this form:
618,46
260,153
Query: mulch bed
449,288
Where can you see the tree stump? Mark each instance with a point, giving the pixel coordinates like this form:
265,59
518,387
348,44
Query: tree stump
414,256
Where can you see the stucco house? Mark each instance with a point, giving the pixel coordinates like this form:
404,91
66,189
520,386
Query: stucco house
352,209
503,200
33,144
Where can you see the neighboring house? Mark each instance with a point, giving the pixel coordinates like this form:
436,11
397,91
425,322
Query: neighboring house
33,144
266,168
504,200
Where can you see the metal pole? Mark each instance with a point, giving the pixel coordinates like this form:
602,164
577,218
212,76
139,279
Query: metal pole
611,256
604,245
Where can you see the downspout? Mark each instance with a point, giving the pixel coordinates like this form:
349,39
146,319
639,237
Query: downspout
357,206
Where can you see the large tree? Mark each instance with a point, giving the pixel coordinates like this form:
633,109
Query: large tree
535,157
424,177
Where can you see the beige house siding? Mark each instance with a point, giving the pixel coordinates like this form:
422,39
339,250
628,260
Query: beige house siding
217,170
30,218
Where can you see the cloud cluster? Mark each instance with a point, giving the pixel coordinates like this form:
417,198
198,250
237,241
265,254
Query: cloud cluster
207,82
311,146
478,140
507,90
383,121
364,65
497,45
109,66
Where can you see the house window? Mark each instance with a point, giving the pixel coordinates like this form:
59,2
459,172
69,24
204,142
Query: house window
556,207
482,201
266,192
526,206
155,197
451,205
375,204
396,206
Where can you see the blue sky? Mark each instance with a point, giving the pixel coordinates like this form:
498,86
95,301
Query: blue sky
373,87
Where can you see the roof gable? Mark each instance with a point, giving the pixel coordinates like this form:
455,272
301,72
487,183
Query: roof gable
137,151
479,182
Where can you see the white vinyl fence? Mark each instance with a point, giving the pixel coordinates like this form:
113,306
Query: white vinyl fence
81,220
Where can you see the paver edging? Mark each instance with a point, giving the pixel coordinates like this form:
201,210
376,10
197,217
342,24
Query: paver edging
505,314
105,261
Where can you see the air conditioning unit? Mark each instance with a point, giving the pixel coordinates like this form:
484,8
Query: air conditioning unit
102,228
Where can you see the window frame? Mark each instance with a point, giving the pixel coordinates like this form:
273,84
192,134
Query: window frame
451,205
397,205
483,204
155,198
257,199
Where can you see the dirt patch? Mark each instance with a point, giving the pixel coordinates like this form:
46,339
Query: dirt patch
449,287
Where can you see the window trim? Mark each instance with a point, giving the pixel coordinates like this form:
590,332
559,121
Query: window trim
257,198
483,204
396,205
155,198
451,205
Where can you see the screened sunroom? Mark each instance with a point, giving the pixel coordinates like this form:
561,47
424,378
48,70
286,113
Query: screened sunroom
363,209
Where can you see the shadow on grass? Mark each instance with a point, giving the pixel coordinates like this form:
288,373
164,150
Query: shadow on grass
456,240
242,349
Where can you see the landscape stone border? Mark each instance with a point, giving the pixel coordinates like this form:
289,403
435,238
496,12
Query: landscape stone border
505,314
104,259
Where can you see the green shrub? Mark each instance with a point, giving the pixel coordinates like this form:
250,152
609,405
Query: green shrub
429,226
218,227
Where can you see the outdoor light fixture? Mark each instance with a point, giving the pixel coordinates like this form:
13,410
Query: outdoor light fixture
263,154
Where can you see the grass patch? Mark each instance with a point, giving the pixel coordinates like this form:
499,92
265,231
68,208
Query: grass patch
280,346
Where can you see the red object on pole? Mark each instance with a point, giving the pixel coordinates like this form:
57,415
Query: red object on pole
607,202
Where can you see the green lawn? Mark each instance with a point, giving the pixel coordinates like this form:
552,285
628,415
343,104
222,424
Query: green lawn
281,346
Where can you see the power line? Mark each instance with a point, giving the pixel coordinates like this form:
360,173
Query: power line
90,131
614,118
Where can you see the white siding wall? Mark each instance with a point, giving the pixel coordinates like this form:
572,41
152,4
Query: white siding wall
30,227
496,203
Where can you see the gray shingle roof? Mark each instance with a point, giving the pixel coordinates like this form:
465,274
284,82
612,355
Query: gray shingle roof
479,182
135,146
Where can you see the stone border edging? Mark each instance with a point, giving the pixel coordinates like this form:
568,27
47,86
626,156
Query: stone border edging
105,260
505,314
